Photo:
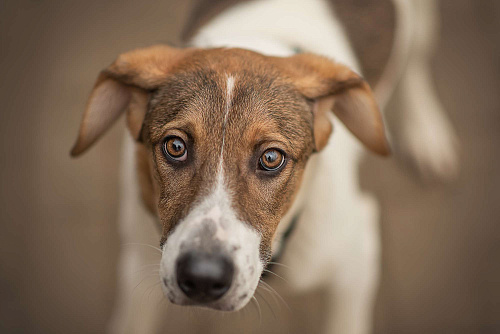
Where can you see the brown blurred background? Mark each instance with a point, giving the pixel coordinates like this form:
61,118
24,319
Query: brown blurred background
59,240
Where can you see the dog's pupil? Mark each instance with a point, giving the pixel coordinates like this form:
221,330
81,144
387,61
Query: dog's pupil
177,146
272,159
271,156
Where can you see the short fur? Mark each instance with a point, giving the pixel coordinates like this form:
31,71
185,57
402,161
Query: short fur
229,105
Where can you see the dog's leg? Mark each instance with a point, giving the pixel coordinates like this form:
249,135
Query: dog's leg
427,137
139,304
355,277
335,244
139,299
342,255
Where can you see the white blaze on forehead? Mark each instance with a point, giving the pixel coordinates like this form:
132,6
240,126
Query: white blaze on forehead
229,97
221,202
229,94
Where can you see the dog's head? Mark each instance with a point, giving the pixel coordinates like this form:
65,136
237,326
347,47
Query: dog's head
223,138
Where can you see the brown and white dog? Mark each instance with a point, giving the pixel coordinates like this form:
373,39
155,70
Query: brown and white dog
230,148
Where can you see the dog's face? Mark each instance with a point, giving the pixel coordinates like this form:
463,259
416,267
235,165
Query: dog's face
223,139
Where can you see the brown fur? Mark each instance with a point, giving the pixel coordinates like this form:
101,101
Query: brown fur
272,106
149,192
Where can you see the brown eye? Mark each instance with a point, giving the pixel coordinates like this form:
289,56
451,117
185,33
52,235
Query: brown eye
175,148
272,160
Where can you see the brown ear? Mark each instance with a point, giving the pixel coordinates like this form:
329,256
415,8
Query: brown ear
124,85
335,87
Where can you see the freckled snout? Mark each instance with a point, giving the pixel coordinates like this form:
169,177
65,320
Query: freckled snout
204,277
211,259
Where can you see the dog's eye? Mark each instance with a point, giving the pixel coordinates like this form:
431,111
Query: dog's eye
175,148
272,160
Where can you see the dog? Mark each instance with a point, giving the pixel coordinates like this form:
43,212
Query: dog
231,166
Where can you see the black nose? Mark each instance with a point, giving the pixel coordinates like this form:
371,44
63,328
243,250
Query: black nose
204,277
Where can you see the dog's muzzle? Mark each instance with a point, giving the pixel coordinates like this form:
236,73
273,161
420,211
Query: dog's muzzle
211,259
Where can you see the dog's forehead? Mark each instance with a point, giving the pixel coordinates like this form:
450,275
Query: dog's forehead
229,111
243,93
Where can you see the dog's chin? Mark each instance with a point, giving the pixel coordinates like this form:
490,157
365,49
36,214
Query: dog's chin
213,306
230,303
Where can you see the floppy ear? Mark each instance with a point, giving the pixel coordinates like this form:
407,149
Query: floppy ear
125,85
334,87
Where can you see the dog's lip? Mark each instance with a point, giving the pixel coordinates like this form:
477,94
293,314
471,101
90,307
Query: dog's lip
217,305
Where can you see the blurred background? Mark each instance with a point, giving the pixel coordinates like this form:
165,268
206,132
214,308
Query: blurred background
59,241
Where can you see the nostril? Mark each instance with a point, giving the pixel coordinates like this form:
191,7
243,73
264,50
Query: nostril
204,277
187,285
219,289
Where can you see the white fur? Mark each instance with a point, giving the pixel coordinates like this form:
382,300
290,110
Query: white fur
336,241
238,240
229,97
400,52
138,228
277,27
428,138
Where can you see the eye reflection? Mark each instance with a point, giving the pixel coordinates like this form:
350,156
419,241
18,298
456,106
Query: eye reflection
272,159
175,148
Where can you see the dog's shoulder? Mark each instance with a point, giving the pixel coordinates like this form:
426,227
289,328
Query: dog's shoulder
369,24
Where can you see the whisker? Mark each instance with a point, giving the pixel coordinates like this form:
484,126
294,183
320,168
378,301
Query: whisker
276,301
147,266
146,245
268,305
145,269
150,265
142,280
152,288
258,309
145,292
280,264
272,272
277,294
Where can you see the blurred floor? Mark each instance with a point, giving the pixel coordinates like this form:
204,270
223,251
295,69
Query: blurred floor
59,241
